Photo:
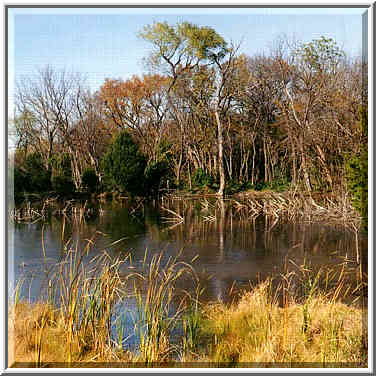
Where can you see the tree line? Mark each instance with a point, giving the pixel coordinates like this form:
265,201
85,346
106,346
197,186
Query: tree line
202,116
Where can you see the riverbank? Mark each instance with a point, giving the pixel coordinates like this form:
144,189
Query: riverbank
288,205
257,331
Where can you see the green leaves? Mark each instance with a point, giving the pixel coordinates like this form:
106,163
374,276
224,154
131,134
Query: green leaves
201,42
183,44
124,164
321,55
90,180
357,174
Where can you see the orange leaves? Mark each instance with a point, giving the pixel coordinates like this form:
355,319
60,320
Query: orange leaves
134,90
128,101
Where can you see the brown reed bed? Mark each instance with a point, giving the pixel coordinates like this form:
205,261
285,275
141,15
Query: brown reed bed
72,325
258,332
298,322
293,206
282,206
28,212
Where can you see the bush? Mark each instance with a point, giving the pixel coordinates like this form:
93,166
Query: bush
21,183
234,186
155,176
278,185
62,184
356,168
202,179
90,180
37,177
124,165
61,179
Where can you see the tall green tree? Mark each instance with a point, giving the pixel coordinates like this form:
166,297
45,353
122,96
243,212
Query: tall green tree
357,172
124,165
180,48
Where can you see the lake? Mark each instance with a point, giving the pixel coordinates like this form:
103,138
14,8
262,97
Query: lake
232,251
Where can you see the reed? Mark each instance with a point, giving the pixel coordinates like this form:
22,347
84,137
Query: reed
295,206
75,324
79,323
262,330
79,308
159,307
28,212
87,299
192,321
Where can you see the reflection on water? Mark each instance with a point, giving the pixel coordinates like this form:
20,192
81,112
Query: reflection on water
233,251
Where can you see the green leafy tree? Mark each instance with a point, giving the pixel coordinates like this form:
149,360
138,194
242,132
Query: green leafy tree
320,55
37,176
61,178
154,176
357,173
90,181
124,165
180,48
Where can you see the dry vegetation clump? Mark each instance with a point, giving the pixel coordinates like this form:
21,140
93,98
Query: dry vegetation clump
43,209
74,326
255,332
259,332
297,206
38,338
271,325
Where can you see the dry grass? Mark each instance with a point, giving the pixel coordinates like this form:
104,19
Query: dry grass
271,325
158,309
74,326
42,210
294,206
74,323
258,330
39,336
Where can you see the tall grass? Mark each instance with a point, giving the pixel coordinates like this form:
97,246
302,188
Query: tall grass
78,309
192,322
75,323
298,320
159,306
262,330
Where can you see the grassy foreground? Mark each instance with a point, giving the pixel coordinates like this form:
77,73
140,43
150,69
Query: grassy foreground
254,332
318,331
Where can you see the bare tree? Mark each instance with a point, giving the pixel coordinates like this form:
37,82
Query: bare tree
46,106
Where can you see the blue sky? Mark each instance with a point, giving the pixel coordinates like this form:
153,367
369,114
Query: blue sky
103,42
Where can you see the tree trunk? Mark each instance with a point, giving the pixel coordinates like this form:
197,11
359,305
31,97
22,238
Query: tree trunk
189,175
220,155
221,226
293,162
253,161
304,165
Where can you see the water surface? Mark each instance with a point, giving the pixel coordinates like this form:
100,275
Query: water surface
233,251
